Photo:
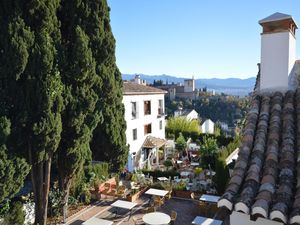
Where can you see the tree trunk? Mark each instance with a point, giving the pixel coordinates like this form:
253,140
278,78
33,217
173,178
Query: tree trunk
64,185
40,176
66,191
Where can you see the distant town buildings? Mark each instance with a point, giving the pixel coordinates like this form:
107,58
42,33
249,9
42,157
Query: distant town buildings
145,119
187,90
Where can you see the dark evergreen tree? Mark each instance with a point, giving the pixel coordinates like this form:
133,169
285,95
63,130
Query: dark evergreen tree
109,140
31,81
80,24
13,170
222,175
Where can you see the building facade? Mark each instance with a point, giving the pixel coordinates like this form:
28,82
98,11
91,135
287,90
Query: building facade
145,119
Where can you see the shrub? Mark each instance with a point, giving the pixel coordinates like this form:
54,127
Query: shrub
222,175
208,151
180,143
197,171
177,125
168,163
16,214
100,170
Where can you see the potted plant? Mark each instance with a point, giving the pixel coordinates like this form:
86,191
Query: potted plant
197,171
181,191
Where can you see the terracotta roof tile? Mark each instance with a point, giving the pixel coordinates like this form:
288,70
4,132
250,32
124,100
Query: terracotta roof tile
266,177
131,88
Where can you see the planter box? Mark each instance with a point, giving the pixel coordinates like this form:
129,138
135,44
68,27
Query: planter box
182,194
136,196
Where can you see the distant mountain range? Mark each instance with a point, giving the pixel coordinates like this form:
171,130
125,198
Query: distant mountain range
232,86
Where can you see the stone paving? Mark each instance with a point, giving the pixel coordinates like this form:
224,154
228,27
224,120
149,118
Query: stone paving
186,210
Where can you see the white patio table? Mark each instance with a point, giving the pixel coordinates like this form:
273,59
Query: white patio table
209,198
156,218
153,191
162,179
97,221
124,205
199,220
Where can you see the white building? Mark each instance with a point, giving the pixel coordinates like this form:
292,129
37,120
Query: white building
208,127
145,119
188,114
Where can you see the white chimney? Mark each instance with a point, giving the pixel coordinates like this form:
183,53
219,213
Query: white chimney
278,51
137,79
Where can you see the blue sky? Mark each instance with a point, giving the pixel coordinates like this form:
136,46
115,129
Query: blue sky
217,38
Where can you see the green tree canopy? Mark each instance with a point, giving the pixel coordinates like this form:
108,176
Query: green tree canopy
222,175
208,151
80,30
109,139
13,170
176,125
31,80
180,143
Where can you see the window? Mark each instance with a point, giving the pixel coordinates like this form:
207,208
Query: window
147,129
160,107
134,110
160,124
134,134
147,107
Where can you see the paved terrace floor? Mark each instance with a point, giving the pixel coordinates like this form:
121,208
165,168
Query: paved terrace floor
186,210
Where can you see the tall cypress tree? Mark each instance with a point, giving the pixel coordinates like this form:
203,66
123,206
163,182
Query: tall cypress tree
15,41
42,90
34,87
109,140
78,69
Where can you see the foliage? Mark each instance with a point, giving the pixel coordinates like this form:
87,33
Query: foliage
4,207
222,175
217,130
208,152
32,84
134,178
197,171
81,85
55,202
109,139
177,125
168,164
181,186
180,143
78,184
100,170
233,145
158,173
16,214
213,107
221,140
13,170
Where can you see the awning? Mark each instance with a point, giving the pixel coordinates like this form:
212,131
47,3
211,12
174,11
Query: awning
153,142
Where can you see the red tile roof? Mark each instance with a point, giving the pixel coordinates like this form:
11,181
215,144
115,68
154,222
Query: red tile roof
130,88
